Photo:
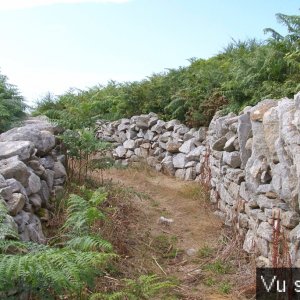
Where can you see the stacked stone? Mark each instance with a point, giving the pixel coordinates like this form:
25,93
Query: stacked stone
31,172
254,160
170,147
255,165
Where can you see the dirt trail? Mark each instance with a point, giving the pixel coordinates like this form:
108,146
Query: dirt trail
194,227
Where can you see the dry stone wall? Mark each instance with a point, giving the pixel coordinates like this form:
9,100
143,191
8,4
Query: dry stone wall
32,173
254,163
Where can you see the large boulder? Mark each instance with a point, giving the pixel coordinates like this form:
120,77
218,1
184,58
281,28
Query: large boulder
43,140
14,168
23,149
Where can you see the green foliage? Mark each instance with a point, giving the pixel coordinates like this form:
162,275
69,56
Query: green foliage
205,252
82,214
50,271
218,267
225,287
80,145
244,73
12,105
145,287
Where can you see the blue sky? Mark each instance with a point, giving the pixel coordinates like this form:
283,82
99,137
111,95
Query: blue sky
76,43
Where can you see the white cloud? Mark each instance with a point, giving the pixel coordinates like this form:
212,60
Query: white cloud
21,4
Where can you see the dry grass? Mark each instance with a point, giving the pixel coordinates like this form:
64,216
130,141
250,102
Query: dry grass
138,196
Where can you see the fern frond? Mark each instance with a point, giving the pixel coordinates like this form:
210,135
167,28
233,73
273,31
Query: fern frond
62,270
88,243
98,197
113,296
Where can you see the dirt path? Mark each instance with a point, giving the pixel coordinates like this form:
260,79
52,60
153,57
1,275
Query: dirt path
194,226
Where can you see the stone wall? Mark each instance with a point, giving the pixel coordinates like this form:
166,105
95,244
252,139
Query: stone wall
254,163
32,173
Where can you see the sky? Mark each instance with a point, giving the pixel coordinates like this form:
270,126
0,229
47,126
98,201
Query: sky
54,45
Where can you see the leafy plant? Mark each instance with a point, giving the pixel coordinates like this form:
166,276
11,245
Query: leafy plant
80,145
145,287
12,105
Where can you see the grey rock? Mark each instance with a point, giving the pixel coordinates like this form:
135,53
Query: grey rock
12,228
59,181
149,135
44,193
181,129
180,174
187,146
170,125
129,153
2,181
190,164
152,121
243,131
159,127
271,130
265,230
179,160
290,219
15,185
14,168
120,151
6,193
34,184
129,144
173,146
200,134
265,202
263,247
24,149
232,159
190,174
244,193
151,161
219,144
44,141
225,196
47,162
258,111
49,178
167,166
131,134
195,153
243,220
249,242
142,121
59,170
16,203
165,137
229,145
36,201
36,166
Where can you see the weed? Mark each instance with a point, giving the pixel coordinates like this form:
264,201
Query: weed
225,287
218,267
209,281
205,252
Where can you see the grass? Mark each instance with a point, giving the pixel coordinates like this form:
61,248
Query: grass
196,192
225,287
218,267
166,246
205,252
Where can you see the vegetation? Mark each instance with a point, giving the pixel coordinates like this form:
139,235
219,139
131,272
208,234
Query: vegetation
65,268
12,105
244,73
